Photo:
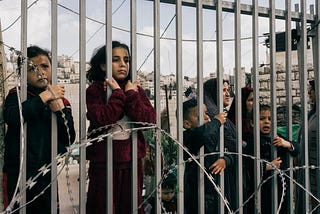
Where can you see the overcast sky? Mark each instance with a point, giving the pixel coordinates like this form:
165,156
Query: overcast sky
68,31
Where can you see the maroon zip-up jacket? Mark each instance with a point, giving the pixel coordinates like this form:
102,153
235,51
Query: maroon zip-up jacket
101,112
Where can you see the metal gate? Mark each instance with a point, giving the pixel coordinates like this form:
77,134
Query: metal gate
286,33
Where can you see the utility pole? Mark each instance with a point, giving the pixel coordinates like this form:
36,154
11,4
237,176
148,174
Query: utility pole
3,68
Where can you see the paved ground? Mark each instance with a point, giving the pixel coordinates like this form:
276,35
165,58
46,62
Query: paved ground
66,206
64,198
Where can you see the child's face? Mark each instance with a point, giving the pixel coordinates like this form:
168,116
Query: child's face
167,194
265,121
120,63
192,121
41,77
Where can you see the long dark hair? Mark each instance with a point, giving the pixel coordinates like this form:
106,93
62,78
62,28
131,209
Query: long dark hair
95,73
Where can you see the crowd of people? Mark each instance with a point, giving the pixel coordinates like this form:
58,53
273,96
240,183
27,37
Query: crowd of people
128,102
268,144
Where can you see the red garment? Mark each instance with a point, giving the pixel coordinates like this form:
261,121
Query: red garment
96,198
5,190
136,106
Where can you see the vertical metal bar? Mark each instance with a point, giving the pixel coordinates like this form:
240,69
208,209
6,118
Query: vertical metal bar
179,77
133,38
109,147
201,190
302,123
255,61
156,43
54,133
315,49
82,103
288,87
3,67
220,74
302,49
23,142
273,80
238,75
316,62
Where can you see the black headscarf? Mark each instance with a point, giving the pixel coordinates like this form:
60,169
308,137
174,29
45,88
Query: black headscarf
210,99
211,90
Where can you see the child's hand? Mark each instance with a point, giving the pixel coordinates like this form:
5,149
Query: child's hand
276,162
222,117
52,92
132,86
218,166
56,105
112,83
57,90
280,142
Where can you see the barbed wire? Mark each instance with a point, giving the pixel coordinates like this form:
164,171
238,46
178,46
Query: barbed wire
101,138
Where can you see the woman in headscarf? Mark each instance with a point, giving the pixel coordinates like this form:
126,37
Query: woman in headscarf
230,133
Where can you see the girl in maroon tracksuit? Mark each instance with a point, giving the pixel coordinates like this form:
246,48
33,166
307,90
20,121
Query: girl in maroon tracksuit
128,102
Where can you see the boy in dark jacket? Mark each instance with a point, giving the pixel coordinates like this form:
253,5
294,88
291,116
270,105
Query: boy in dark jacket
194,137
281,161
42,99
